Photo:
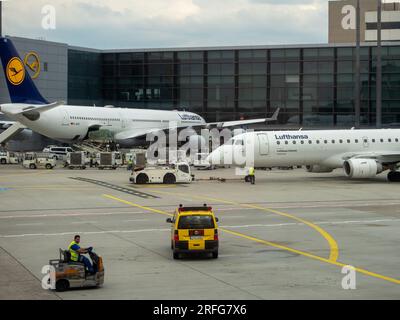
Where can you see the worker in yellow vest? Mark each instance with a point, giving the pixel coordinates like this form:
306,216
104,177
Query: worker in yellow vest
252,175
76,253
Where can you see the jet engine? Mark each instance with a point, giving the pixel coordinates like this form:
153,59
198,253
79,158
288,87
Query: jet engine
315,168
362,168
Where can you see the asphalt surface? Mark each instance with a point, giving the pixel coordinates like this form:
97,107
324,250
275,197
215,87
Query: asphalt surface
286,237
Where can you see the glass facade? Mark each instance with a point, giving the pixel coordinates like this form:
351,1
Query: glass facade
84,78
314,87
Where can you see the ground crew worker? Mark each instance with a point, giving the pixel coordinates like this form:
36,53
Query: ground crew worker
130,164
252,175
76,253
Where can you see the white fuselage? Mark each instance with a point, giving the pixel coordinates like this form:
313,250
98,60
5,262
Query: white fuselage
72,123
325,148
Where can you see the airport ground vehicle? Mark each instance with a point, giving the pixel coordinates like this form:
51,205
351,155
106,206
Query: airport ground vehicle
38,160
108,160
71,274
76,160
7,157
58,153
194,230
167,174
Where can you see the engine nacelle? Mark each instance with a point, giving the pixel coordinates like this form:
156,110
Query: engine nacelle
362,168
315,168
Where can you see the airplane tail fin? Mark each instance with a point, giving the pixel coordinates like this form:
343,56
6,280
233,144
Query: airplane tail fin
20,85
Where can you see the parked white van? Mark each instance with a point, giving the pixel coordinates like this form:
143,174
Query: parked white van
58,153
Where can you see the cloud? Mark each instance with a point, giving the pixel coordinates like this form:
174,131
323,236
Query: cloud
160,23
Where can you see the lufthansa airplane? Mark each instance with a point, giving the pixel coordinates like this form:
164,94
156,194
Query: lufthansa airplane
361,153
74,123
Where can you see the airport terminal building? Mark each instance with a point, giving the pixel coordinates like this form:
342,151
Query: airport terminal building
312,84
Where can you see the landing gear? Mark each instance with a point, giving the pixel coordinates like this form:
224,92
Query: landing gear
394,176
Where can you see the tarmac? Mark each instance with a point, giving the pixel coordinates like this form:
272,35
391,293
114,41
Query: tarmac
286,237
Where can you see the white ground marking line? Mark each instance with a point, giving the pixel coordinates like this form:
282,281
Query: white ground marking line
318,223
272,206
82,232
30,224
168,229
83,222
61,215
135,220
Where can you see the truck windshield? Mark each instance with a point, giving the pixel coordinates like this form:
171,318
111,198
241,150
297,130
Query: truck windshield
196,222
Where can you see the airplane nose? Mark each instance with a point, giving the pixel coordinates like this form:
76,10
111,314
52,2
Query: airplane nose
216,157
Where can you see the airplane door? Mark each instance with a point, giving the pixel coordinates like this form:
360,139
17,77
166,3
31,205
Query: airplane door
65,120
263,143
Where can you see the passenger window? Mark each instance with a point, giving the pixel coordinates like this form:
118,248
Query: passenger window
356,141
340,141
302,142
365,140
309,142
382,140
325,141
389,140
348,140
294,141
397,140
286,142
317,141
278,142
373,140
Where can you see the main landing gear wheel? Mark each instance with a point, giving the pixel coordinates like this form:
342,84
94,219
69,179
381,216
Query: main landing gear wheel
394,176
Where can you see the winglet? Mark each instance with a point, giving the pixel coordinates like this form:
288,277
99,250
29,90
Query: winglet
275,115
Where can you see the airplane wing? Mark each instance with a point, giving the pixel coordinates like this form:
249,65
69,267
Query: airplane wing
227,124
382,157
131,134
18,109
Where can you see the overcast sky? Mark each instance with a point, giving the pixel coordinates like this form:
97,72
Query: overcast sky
106,24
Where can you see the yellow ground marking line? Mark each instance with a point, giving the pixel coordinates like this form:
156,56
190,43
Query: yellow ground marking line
269,243
138,206
334,249
312,256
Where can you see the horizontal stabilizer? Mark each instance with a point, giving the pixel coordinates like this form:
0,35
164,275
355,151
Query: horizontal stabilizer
15,109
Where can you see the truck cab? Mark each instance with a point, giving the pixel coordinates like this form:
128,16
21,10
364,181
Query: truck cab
167,174
38,160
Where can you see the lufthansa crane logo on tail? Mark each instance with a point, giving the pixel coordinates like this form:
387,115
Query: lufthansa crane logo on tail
32,61
15,71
